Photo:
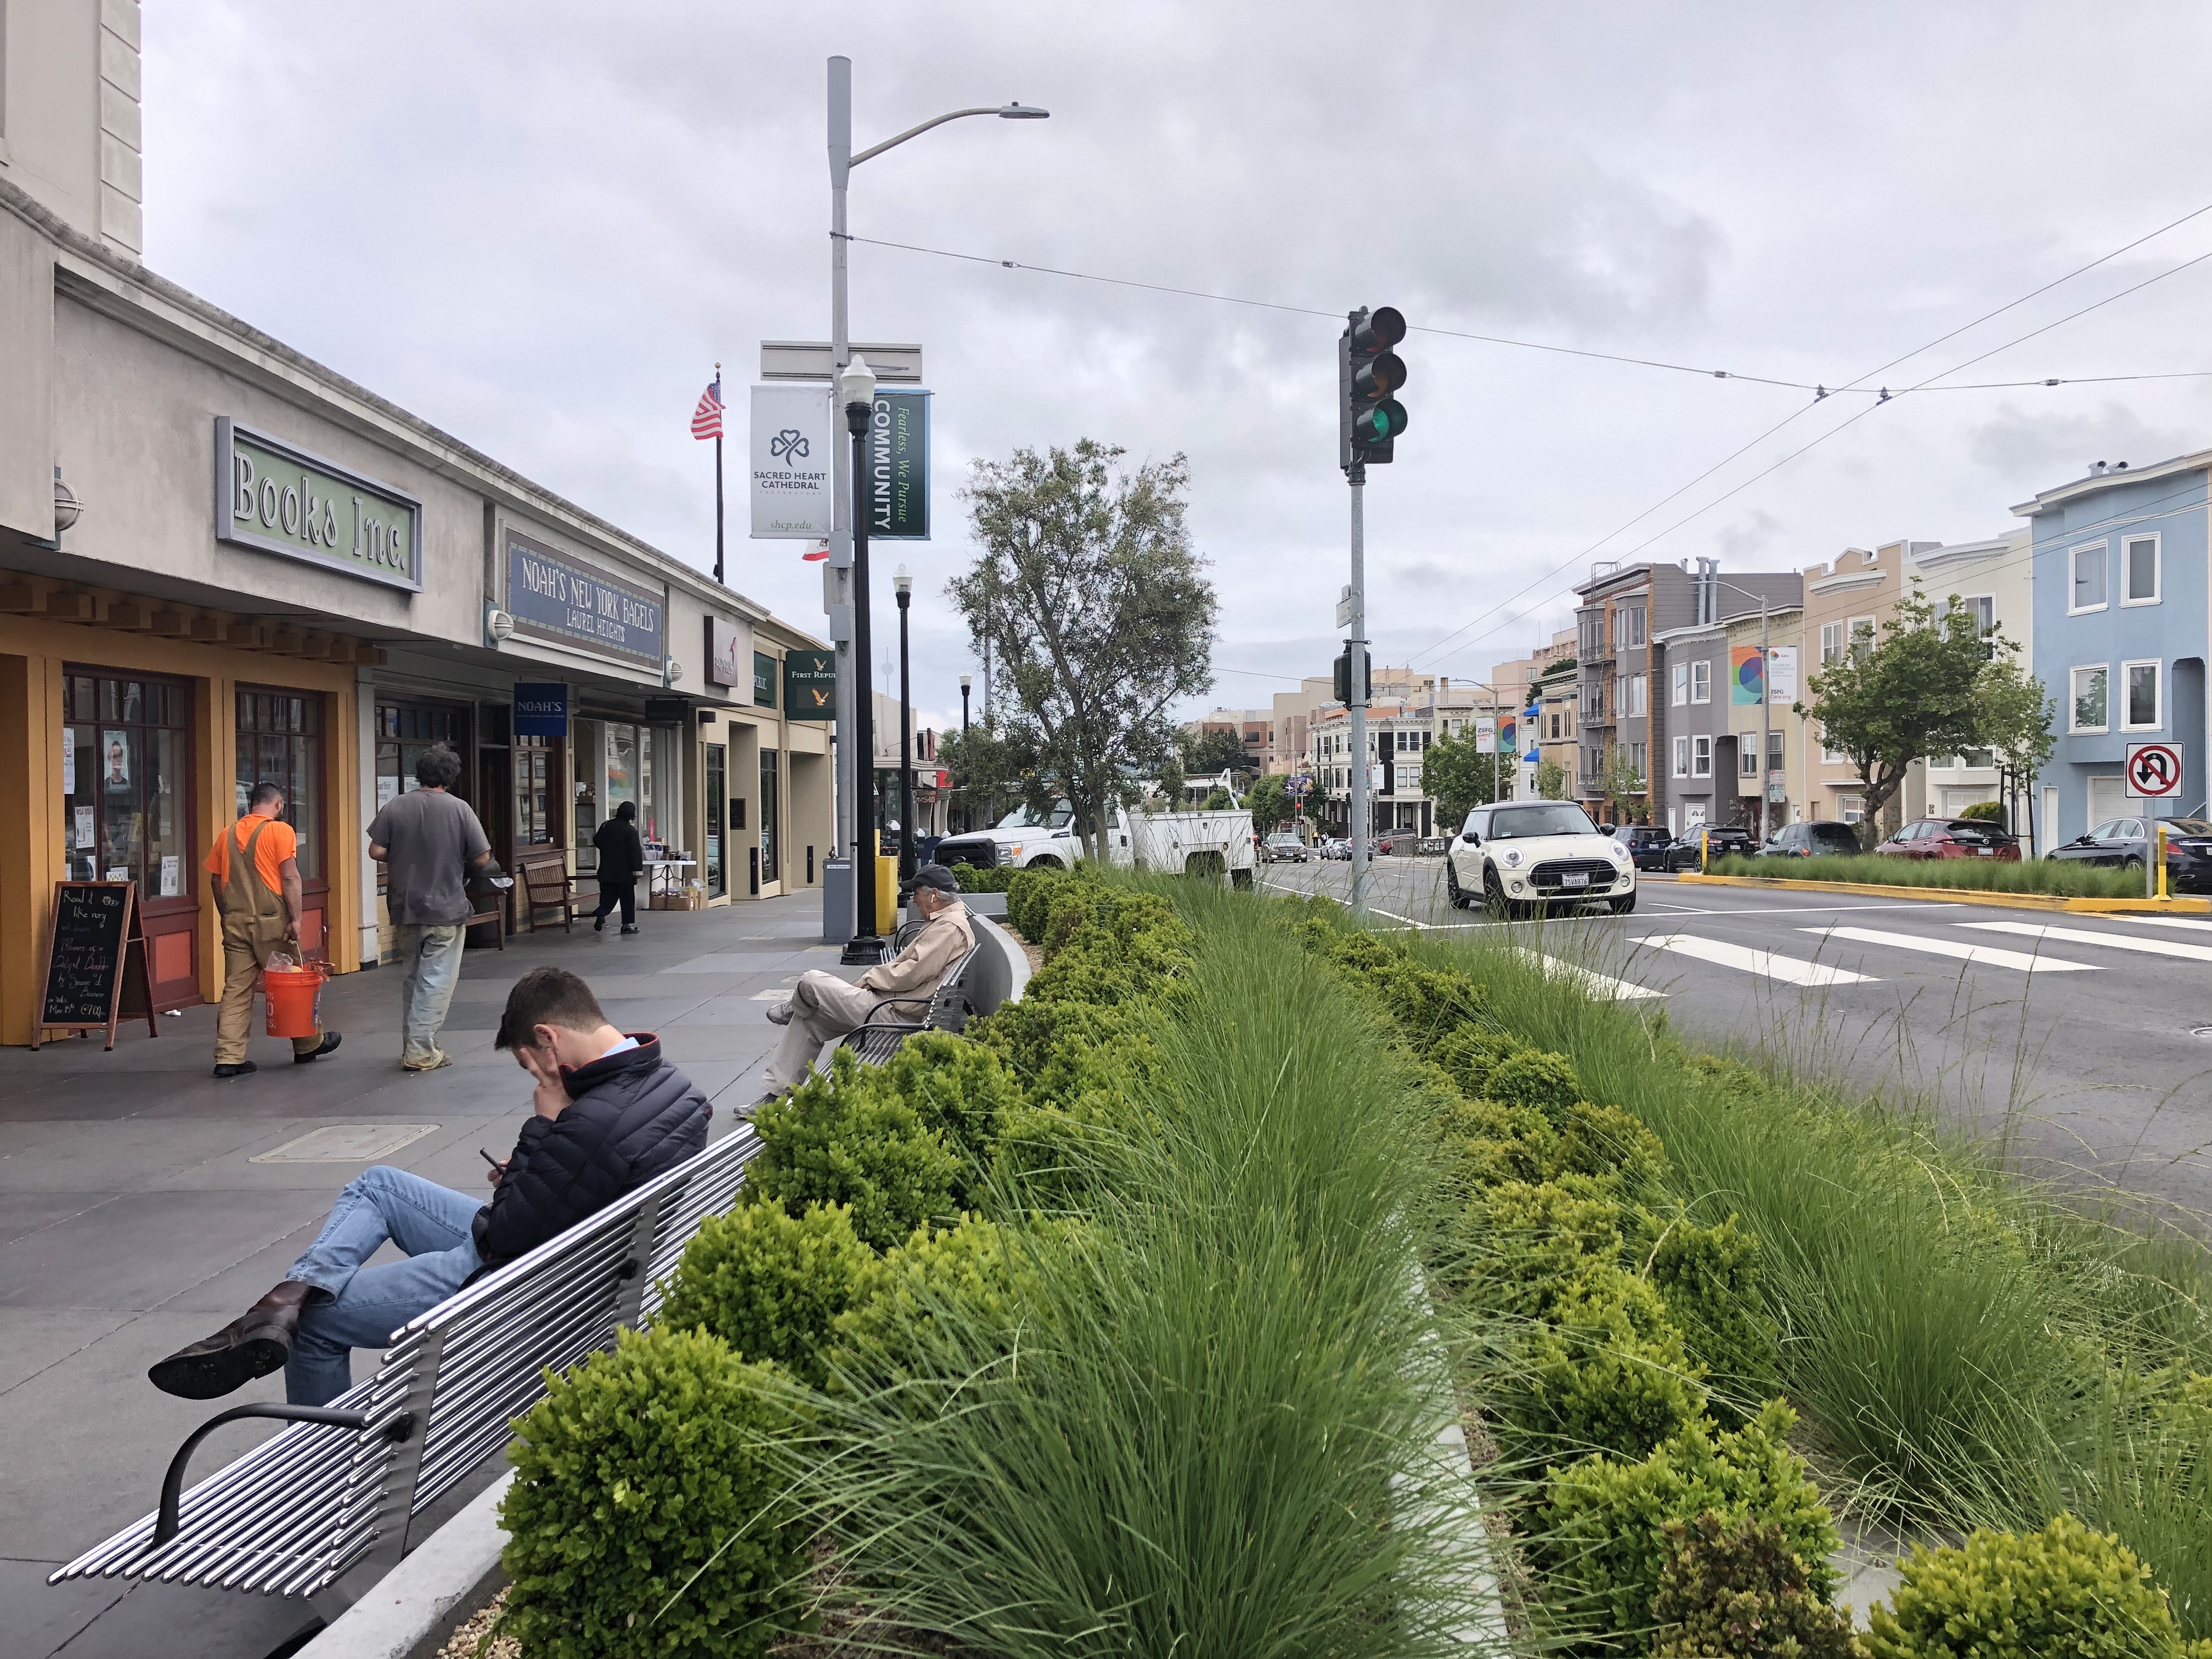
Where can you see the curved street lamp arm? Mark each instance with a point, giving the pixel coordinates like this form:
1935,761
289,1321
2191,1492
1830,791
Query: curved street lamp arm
936,121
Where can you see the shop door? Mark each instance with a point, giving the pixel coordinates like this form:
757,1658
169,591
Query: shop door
717,884
770,814
280,741
127,811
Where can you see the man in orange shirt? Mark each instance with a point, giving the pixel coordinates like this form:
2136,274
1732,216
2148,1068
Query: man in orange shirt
254,870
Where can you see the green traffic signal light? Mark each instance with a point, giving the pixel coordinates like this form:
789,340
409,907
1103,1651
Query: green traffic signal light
1378,423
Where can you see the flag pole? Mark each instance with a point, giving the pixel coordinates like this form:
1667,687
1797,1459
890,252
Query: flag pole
718,481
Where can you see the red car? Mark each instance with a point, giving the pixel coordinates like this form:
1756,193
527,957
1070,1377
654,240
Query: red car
1951,838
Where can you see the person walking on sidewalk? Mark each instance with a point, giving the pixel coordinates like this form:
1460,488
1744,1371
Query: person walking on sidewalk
429,840
607,1115
823,1006
254,870
622,862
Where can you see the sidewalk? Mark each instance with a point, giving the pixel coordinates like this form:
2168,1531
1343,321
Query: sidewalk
135,1219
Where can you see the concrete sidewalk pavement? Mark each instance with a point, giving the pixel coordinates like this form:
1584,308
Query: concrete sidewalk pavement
137,1213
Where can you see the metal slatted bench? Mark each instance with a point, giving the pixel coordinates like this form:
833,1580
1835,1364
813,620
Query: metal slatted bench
959,995
339,1488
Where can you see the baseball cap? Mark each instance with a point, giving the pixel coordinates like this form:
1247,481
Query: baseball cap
936,876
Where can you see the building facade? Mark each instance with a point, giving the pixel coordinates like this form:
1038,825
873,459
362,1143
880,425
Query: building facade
2119,596
222,563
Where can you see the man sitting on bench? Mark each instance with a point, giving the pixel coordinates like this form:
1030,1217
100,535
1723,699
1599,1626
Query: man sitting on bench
608,1114
824,1006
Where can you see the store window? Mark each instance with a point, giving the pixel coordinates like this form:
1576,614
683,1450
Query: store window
535,760
280,741
403,730
770,800
619,761
125,766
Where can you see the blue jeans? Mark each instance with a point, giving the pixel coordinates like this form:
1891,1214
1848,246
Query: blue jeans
432,958
368,1305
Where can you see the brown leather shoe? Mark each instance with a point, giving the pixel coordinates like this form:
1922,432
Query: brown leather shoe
256,1342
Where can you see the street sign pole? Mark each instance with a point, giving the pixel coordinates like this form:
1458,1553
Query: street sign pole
1356,599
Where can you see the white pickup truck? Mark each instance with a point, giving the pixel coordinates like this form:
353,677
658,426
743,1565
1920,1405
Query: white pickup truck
1217,844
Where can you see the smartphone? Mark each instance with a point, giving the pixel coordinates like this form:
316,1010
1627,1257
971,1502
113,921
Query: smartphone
488,1157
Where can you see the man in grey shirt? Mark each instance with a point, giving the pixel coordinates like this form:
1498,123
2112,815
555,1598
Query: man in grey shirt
429,840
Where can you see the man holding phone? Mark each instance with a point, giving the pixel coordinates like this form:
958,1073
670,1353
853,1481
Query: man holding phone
607,1114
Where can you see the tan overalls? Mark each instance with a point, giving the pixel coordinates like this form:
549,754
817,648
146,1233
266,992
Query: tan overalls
254,924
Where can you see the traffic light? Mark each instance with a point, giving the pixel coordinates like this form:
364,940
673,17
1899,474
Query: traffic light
1344,686
1368,376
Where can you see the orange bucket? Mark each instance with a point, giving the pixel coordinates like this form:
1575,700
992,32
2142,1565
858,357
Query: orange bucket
294,996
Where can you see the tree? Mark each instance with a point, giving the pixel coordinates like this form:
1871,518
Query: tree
993,770
1622,785
2013,718
1217,801
1909,695
1218,751
1089,593
1458,778
1172,778
1268,800
1551,779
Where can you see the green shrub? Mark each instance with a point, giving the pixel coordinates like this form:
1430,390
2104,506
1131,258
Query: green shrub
1059,1051
1485,1143
639,1470
1532,1077
2069,877
1601,1532
974,879
769,1283
1712,1281
1606,1369
976,1265
960,1089
1026,894
1057,1159
1984,811
1468,1052
842,1137
1737,1592
1523,1243
2064,1590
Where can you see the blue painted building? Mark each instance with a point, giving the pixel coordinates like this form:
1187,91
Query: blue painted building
2123,611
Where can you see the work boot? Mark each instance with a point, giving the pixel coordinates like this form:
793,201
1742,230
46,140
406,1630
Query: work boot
331,1041
778,1013
256,1342
242,1068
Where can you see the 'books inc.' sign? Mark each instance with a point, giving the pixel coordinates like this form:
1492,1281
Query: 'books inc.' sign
555,597
278,499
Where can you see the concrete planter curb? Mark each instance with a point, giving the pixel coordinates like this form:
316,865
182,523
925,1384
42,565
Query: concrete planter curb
412,1609
988,932
2094,907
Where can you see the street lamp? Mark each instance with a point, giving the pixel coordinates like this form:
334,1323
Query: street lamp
856,387
843,549
966,680
903,585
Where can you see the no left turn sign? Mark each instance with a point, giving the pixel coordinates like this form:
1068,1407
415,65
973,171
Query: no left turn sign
2153,770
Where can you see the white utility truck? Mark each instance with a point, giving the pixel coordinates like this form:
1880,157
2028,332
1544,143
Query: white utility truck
1217,844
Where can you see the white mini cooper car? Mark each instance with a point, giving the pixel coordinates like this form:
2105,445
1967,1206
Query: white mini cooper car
1526,858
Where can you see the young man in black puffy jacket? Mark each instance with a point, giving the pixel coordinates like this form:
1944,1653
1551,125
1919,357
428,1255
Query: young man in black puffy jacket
608,1114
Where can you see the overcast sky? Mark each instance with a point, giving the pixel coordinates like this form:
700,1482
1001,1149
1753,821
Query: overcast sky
538,225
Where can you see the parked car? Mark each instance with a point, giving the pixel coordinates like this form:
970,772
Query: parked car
1824,839
1283,848
1727,841
1524,858
1951,838
1648,844
1336,847
2124,842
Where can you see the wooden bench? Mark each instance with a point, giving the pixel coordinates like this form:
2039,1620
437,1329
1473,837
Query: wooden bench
339,1488
544,884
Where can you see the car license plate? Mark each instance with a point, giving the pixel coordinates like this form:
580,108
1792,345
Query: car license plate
1986,851
1576,880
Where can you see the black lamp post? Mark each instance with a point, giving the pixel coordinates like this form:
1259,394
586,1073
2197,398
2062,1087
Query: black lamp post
903,585
857,387
967,812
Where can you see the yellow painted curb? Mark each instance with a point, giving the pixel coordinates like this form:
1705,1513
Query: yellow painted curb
2109,907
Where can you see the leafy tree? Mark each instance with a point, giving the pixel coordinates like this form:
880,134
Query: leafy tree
993,770
1551,779
2013,715
1218,801
1172,778
1092,596
1218,752
1460,779
1911,696
1268,800
1622,787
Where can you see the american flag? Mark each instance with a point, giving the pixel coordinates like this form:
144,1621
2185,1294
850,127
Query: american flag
707,419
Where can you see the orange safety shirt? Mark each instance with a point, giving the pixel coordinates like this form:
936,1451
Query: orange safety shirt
277,844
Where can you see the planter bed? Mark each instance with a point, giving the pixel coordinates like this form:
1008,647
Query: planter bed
2031,884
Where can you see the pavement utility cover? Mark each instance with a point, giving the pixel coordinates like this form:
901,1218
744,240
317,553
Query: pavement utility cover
347,1143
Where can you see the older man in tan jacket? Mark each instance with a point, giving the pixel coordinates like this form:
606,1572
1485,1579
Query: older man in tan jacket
824,1006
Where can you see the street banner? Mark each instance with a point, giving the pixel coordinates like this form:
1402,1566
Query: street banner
1509,734
789,458
1485,735
1782,673
1747,682
898,467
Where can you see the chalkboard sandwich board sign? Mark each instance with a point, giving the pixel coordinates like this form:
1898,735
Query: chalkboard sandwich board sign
96,969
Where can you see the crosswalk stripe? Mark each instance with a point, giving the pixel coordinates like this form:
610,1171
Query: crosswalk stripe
2164,922
1602,987
1982,956
2157,947
1790,971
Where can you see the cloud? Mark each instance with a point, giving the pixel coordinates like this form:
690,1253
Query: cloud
1749,535
2034,452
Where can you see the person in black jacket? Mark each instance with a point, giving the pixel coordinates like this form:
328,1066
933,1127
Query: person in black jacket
608,1114
622,862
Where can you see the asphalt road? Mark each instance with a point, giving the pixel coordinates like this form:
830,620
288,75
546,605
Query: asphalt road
2091,1037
